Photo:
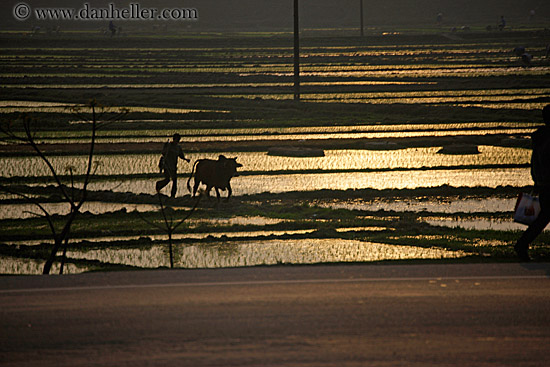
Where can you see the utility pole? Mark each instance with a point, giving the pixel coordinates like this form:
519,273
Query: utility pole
361,15
296,53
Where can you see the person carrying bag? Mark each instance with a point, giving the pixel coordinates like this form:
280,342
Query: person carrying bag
540,171
527,209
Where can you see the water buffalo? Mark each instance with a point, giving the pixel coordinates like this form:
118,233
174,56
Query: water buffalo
214,174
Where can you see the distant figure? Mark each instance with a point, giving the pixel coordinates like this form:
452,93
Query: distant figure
526,58
531,15
547,51
518,51
169,164
540,171
502,23
112,28
439,18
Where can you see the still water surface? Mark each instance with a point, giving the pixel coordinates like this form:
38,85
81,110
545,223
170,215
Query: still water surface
269,252
246,253
129,164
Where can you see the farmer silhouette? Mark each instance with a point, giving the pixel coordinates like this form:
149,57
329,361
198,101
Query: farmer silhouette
502,23
169,164
540,170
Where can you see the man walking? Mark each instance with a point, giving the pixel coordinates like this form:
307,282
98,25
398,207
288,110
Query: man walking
540,170
169,164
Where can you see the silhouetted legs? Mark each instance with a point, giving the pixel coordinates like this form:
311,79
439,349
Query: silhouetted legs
536,228
196,186
169,174
209,188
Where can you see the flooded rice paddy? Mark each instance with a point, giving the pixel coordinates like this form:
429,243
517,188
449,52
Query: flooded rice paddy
294,134
393,196
71,109
410,158
378,180
246,253
266,183
270,252
18,265
443,205
337,170
478,223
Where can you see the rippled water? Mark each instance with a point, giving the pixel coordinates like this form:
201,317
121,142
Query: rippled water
421,71
506,102
246,253
270,252
479,223
65,108
247,185
193,86
472,205
129,164
293,134
380,180
343,74
448,205
36,104
11,265
432,97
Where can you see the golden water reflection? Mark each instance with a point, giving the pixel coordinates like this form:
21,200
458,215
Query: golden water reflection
29,106
494,224
250,185
12,265
293,134
447,205
269,252
129,164
493,178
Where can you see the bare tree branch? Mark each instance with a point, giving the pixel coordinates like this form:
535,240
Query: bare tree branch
169,226
29,138
46,215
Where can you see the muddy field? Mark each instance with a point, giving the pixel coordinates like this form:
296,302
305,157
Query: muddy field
419,142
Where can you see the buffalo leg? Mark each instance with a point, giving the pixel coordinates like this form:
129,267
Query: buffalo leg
196,186
208,189
229,191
